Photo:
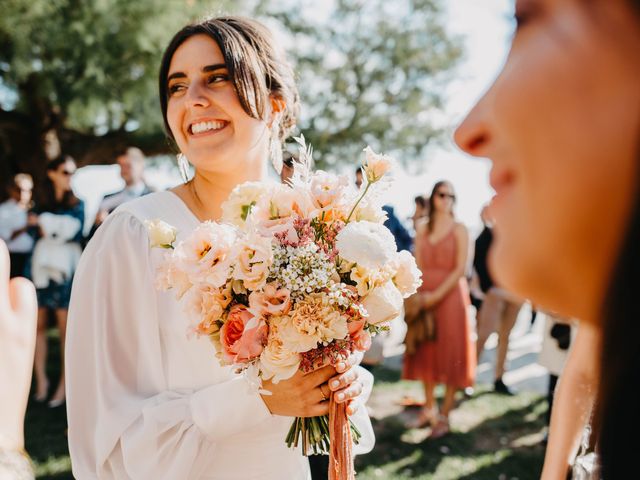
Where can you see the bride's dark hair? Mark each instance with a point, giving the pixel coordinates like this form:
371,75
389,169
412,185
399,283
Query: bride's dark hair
257,68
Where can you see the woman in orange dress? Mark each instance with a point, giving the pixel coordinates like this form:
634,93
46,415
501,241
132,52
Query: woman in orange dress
441,250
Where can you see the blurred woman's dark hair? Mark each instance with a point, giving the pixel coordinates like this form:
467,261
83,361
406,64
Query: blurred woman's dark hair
431,208
618,416
47,195
257,68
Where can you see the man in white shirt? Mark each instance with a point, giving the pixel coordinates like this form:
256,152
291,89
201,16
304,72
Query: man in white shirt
13,223
131,164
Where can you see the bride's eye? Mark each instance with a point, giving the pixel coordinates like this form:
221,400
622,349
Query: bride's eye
218,78
175,88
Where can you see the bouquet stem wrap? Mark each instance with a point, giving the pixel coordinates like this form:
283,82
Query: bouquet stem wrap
340,452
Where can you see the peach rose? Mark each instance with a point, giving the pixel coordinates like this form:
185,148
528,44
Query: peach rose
253,259
359,335
243,336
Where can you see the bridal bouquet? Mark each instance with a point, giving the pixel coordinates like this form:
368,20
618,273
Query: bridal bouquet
294,277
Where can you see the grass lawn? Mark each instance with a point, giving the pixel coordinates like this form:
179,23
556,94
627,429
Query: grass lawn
493,437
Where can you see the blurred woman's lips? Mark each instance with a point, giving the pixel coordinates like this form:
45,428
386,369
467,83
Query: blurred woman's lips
502,182
500,179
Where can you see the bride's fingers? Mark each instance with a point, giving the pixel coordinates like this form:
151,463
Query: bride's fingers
351,392
352,407
344,379
348,363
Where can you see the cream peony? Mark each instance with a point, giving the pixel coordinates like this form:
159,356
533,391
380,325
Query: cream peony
242,200
367,244
376,165
383,304
407,276
254,257
313,321
161,234
207,254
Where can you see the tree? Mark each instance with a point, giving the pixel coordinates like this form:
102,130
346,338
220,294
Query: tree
84,77
83,74
370,72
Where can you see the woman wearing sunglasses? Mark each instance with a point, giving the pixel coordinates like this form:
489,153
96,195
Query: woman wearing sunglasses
561,126
441,249
58,220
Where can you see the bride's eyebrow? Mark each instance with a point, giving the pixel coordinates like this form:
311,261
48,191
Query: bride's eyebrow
213,68
207,68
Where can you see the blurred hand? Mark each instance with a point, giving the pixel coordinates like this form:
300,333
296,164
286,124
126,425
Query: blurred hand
18,313
307,394
32,219
429,300
101,217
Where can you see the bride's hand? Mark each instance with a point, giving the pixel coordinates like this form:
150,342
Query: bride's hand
307,394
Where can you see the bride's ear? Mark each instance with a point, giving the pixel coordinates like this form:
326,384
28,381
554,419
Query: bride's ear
277,108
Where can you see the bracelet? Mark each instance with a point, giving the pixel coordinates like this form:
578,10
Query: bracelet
15,465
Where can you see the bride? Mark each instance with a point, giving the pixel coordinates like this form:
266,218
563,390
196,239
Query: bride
145,400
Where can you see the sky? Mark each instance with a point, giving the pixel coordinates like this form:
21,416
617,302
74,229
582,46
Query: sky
486,29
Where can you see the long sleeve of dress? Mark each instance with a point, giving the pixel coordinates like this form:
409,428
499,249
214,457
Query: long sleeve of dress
124,422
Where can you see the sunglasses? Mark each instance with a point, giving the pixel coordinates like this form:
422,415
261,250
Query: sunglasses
446,195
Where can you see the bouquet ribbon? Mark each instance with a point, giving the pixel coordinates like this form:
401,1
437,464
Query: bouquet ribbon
341,449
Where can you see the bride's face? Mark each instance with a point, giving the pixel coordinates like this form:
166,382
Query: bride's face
560,126
204,112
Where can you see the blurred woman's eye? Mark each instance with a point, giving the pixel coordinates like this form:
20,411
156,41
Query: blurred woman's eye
526,11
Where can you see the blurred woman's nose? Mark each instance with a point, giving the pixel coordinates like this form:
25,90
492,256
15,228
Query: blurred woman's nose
472,136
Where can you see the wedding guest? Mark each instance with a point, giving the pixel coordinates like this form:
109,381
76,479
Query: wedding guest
131,163
146,400
17,338
421,210
498,309
59,219
561,126
13,223
441,250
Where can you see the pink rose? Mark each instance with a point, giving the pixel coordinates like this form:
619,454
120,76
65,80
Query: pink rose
359,335
271,301
243,336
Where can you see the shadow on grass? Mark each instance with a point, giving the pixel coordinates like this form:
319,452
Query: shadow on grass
486,451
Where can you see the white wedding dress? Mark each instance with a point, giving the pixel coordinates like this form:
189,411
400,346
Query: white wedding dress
144,400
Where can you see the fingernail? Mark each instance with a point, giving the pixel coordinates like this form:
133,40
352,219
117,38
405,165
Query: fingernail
340,397
340,366
335,383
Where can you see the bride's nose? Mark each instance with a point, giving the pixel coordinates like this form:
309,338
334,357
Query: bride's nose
197,95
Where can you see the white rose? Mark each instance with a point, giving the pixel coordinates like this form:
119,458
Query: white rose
161,234
407,275
383,304
277,362
366,243
242,200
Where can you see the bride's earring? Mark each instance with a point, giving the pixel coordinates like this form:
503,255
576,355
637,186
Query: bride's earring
183,166
275,146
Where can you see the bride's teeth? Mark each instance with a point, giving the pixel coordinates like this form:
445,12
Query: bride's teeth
206,126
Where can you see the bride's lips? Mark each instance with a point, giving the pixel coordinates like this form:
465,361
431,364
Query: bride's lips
203,127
